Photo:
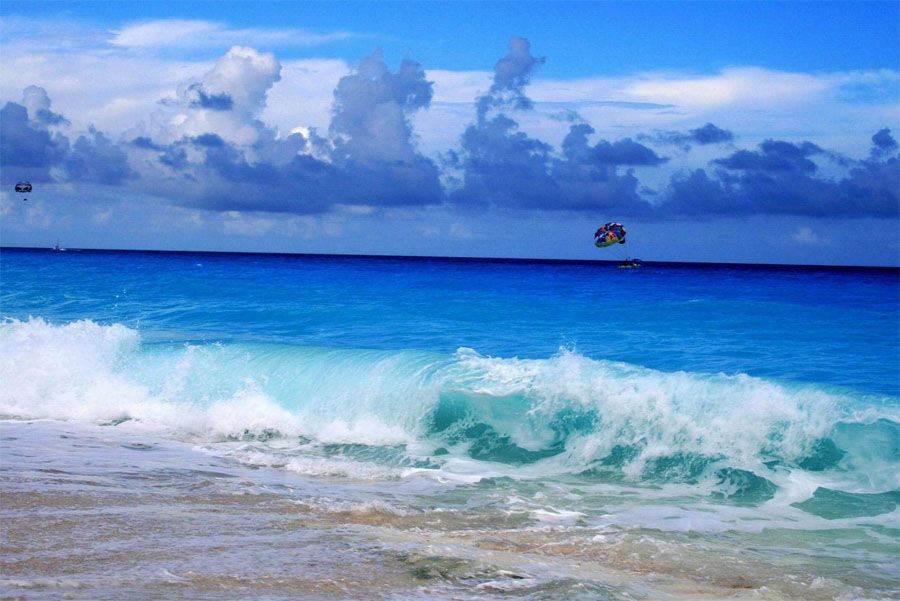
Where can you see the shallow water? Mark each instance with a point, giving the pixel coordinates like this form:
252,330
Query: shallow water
221,426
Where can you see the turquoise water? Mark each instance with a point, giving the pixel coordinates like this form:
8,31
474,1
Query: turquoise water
817,325
717,407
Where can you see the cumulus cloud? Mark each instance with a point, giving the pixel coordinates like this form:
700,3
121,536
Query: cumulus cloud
35,99
883,144
95,158
780,178
29,151
511,74
624,152
372,108
773,155
590,175
216,102
226,101
707,134
26,150
501,165
207,146
504,167
224,158
710,134
373,139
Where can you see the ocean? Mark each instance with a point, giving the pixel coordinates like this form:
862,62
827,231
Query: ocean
251,426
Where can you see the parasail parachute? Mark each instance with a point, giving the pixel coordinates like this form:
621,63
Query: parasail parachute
610,233
23,187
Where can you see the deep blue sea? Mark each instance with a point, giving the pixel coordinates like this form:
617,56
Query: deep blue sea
476,428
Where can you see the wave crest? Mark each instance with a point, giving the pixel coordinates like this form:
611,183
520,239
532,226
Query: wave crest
567,414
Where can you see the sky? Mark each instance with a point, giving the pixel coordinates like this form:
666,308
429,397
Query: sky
749,132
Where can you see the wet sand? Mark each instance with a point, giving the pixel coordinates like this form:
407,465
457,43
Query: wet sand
91,513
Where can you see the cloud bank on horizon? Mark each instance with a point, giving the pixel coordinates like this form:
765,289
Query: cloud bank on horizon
205,145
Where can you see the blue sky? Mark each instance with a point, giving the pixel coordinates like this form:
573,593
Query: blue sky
717,131
587,38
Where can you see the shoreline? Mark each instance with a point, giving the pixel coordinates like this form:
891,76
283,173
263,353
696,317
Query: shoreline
116,515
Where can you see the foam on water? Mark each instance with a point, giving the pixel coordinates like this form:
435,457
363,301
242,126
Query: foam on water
386,414
729,430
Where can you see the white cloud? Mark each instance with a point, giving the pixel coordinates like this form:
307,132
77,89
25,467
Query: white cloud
110,80
458,230
804,236
127,92
35,99
114,81
102,217
99,80
241,224
427,231
182,33
458,86
304,96
756,103
355,209
736,85
241,79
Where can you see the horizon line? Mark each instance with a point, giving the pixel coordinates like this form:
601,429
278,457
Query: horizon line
456,258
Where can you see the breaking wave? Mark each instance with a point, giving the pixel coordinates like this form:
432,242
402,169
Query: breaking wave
566,415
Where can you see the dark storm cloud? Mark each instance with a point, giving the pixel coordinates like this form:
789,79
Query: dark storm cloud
504,167
29,152
48,117
371,111
215,102
780,179
145,143
625,152
588,176
883,143
774,155
369,156
369,159
303,185
95,158
511,74
710,134
26,151
707,134
208,140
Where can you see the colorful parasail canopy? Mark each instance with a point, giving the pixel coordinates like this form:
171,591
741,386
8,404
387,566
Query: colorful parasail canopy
23,186
610,233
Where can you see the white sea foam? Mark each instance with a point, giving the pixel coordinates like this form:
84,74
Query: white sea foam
735,416
339,467
584,408
86,371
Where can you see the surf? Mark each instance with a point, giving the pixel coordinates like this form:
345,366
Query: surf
744,438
